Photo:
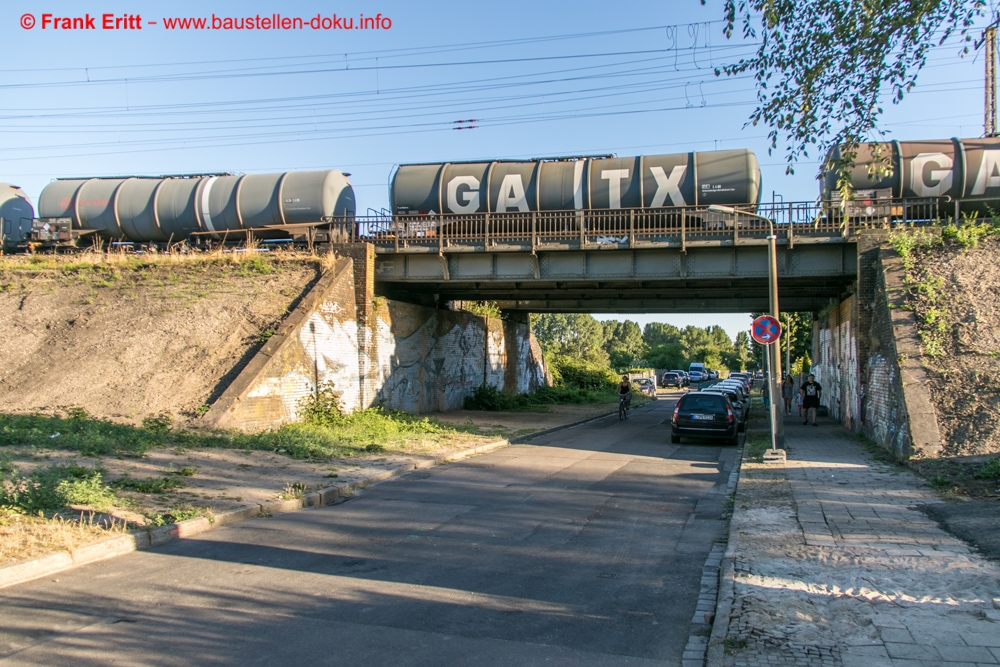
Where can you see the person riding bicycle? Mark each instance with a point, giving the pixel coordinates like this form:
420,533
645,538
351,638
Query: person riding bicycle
625,389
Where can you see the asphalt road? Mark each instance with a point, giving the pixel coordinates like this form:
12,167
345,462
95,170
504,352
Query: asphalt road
583,548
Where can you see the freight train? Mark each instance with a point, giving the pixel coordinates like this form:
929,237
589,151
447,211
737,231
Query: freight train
220,207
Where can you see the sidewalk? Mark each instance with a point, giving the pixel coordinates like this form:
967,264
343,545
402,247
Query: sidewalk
830,562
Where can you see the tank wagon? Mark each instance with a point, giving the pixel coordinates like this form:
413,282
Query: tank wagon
963,171
172,208
565,184
16,214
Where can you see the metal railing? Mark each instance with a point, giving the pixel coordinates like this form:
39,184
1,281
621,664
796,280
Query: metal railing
638,227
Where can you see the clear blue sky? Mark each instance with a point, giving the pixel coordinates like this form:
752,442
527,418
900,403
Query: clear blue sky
539,78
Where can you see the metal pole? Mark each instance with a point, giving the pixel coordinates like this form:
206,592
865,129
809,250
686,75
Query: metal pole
770,406
788,345
774,366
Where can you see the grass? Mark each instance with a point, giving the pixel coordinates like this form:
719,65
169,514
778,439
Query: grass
324,433
54,487
756,444
148,485
28,536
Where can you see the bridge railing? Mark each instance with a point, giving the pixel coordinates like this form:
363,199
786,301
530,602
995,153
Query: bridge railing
630,227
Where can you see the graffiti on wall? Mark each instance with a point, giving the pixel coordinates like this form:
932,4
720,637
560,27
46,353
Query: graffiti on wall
885,418
836,368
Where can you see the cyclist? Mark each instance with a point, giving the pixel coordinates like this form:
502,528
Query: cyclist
625,389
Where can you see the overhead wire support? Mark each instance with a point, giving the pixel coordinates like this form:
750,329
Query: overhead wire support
990,110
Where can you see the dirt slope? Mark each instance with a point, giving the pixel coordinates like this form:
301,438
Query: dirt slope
955,292
130,340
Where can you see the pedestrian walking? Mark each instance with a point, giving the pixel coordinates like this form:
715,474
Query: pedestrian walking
811,392
787,392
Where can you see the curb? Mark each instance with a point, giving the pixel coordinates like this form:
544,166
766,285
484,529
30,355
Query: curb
716,653
49,564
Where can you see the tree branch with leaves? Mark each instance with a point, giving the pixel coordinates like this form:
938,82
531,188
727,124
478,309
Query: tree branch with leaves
824,67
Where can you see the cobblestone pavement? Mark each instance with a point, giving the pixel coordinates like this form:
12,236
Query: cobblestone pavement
832,563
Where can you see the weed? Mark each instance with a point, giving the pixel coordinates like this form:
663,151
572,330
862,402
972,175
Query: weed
159,423
148,485
184,472
202,409
254,265
939,482
265,336
482,308
969,233
990,470
294,491
173,515
756,445
910,242
734,645
55,487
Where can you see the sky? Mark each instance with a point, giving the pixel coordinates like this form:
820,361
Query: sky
527,79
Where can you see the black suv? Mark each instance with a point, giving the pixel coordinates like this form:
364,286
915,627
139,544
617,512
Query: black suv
705,415
671,380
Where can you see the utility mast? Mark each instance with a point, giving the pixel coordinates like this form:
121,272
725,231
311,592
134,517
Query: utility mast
990,108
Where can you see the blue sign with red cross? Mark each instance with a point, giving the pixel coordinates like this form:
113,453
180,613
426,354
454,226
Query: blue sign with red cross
765,330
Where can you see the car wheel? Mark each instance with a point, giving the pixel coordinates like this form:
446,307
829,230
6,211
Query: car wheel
675,439
735,441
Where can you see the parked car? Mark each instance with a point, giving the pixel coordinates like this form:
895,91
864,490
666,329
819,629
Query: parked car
672,379
646,386
684,376
705,415
737,385
739,402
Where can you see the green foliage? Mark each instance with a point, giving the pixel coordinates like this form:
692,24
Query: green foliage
939,482
264,336
173,515
323,407
911,242
969,233
624,343
573,334
55,487
158,423
89,436
490,398
184,472
255,265
577,373
990,470
822,68
148,485
482,308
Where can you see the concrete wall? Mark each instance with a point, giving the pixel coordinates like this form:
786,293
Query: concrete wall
376,352
866,354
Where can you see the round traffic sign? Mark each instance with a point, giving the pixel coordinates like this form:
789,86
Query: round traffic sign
765,330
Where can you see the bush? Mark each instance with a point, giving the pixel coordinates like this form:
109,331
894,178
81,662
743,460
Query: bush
55,487
582,374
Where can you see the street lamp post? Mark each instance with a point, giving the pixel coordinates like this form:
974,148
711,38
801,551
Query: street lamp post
774,365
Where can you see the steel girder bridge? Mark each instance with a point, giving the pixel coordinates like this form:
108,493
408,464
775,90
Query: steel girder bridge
631,260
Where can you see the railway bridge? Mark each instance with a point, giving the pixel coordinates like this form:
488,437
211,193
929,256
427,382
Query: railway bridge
690,259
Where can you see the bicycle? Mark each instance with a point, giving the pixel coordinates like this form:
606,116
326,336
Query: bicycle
623,407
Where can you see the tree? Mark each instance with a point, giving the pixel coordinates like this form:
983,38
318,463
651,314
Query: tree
572,334
659,333
741,357
624,343
822,67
